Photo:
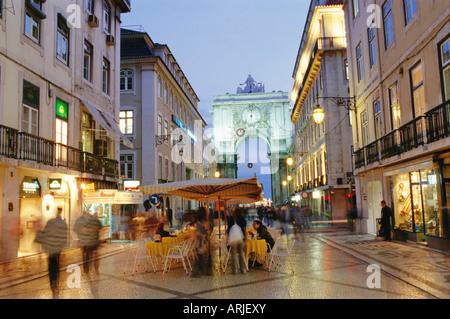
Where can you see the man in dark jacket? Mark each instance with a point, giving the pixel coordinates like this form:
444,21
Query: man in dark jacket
54,239
386,215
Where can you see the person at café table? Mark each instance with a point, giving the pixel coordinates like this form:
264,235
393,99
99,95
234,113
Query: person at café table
161,232
263,233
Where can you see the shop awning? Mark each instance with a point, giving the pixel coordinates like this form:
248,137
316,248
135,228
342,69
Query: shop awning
116,128
112,129
112,196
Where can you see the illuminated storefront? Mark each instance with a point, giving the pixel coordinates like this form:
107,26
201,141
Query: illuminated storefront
113,208
420,196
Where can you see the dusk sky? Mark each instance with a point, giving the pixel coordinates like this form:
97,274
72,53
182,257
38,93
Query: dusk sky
219,43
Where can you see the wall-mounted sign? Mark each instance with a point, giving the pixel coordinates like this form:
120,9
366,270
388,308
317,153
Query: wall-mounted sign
54,183
305,195
30,187
62,110
184,128
131,185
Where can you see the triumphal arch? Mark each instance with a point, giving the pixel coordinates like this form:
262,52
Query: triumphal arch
252,113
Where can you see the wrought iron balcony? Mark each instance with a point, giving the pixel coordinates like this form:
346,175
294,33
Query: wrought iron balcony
360,158
390,145
373,152
438,122
29,147
411,134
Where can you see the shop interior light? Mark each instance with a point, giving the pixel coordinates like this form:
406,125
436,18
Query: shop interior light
316,195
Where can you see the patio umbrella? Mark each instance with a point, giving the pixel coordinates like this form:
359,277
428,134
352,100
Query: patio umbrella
209,190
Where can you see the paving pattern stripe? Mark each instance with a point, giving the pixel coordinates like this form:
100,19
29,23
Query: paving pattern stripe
428,283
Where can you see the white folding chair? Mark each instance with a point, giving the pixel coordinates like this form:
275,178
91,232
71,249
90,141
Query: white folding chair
226,253
140,251
280,250
178,252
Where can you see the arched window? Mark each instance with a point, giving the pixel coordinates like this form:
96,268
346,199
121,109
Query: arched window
126,80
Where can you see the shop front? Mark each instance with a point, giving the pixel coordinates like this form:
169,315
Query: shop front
32,215
419,201
114,209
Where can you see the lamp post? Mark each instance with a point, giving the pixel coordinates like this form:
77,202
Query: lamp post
180,152
289,163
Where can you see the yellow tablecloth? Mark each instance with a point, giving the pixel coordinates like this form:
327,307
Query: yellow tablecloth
174,240
257,246
158,248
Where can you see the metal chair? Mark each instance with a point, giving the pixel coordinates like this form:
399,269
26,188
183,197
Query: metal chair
280,250
179,252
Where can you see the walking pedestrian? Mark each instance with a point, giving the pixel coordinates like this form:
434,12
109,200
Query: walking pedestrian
53,240
386,215
201,245
170,215
238,247
88,229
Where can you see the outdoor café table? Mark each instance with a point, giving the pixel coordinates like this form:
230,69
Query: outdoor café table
175,240
158,248
257,246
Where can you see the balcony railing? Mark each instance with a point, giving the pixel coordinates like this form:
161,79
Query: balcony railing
332,43
36,149
432,127
411,134
360,158
8,142
29,147
438,122
373,152
390,145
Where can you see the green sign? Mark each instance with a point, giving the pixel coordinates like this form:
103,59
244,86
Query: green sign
62,110
54,183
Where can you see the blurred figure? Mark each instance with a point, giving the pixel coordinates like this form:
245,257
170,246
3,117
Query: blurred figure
202,251
54,239
88,228
161,232
238,249
307,213
263,233
386,215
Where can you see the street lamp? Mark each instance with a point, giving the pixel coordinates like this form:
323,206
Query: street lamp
318,114
290,161
217,174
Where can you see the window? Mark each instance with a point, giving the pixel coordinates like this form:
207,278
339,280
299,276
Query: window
159,132
346,69
359,62
61,138
355,7
395,107
89,6
378,119
418,94
444,52
364,129
410,9
126,122
32,27
166,128
159,87
160,168
126,166
171,101
106,17
87,127
62,41
167,169
106,76
126,80
87,63
388,24
1,9
166,96
372,46
30,116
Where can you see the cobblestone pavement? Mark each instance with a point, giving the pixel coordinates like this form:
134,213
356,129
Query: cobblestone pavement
326,266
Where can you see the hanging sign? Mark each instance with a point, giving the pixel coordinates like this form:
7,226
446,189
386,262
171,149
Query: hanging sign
54,183
61,110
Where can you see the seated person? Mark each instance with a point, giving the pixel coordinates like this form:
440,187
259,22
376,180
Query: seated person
263,233
161,232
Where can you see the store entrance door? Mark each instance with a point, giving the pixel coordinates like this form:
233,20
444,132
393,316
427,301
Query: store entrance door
374,198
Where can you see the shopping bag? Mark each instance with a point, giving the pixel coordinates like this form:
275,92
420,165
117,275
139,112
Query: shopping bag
235,236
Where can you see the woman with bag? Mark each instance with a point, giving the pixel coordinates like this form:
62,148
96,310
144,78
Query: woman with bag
236,239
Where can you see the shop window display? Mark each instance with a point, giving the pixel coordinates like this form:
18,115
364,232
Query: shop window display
416,202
